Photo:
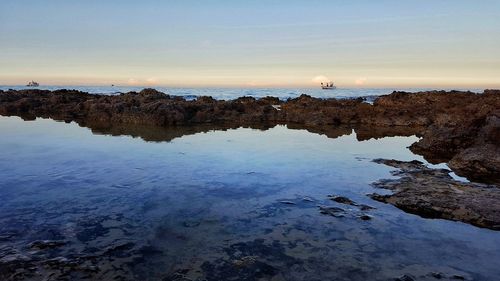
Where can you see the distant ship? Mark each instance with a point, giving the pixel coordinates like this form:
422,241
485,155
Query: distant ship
32,84
328,86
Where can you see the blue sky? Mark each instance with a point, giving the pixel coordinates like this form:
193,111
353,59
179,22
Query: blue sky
428,43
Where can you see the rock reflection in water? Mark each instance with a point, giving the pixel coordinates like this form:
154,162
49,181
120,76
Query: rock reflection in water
159,134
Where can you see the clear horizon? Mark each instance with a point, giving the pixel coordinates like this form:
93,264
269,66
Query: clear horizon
361,44
306,87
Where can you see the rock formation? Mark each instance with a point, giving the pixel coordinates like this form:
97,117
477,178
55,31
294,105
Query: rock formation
461,128
433,193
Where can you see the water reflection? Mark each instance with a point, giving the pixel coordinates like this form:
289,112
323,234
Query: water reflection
159,134
205,203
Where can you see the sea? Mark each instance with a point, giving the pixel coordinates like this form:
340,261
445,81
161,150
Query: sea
233,93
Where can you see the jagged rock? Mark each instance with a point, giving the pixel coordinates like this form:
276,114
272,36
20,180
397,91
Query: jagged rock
347,201
433,193
342,200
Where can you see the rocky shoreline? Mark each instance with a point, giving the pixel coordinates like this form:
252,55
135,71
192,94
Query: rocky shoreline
458,128
433,193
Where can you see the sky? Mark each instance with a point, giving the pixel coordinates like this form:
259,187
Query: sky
266,43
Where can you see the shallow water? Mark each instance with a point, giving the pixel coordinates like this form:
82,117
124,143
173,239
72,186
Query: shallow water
237,204
233,93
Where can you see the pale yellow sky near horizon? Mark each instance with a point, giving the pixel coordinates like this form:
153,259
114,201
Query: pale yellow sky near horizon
271,82
420,44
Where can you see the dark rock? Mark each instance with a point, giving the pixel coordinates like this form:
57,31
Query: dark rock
249,261
332,211
433,193
347,201
437,275
405,278
364,207
342,200
365,217
481,162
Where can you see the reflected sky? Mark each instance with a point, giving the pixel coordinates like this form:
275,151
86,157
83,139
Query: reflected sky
447,43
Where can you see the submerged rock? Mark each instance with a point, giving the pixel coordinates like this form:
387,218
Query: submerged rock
250,261
365,217
286,202
404,277
433,193
332,211
346,201
342,200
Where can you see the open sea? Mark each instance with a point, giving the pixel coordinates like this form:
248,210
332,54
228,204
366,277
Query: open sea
233,93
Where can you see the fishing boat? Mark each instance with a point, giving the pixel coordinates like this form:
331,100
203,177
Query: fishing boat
32,84
328,86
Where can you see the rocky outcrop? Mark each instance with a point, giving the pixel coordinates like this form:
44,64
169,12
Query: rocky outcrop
466,136
461,128
479,163
433,193
148,107
481,160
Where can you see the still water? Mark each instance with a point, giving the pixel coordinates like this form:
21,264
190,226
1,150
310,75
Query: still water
237,204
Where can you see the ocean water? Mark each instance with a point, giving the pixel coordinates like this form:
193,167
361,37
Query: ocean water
233,204
232,93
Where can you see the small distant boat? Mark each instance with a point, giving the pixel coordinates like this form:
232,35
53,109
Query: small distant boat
32,84
328,86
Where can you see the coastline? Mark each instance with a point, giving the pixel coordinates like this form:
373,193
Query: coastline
457,128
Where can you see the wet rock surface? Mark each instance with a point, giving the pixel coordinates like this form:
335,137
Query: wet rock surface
460,127
433,193
359,210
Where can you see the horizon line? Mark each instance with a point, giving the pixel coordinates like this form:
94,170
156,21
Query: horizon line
211,86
